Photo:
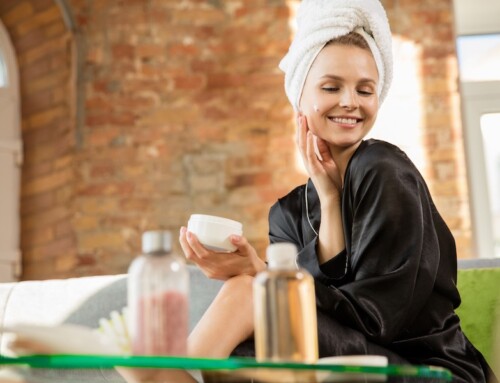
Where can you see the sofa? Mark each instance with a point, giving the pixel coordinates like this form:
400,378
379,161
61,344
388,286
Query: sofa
84,300
479,285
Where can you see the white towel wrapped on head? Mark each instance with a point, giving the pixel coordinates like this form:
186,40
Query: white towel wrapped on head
319,21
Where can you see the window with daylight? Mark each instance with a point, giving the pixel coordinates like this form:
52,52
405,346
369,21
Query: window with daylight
478,61
490,129
479,57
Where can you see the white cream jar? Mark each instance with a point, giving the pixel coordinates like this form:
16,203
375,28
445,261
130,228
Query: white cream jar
213,232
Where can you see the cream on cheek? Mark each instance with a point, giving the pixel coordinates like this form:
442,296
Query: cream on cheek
320,106
314,117
310,117
313,111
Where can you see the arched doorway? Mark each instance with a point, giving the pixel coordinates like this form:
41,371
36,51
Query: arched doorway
10,160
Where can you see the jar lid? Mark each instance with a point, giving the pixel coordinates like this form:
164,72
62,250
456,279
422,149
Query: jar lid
156,241
215,219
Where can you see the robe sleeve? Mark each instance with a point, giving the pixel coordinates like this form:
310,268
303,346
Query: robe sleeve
284,226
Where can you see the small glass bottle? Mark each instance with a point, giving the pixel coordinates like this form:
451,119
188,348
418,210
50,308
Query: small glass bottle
285,309
158,292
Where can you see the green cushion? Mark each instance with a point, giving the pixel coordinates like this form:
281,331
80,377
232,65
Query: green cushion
480,308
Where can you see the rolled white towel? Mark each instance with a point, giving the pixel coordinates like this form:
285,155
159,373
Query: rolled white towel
319,21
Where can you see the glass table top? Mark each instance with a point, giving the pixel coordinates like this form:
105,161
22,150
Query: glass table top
238,367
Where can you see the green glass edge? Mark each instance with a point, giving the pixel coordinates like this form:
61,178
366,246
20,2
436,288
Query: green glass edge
108,361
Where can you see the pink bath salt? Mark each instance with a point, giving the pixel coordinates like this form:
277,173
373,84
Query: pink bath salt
162,324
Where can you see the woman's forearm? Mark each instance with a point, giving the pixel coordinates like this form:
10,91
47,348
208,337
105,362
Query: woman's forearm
331,232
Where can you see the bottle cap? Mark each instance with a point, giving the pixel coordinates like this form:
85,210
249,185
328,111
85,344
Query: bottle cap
156,241
282,255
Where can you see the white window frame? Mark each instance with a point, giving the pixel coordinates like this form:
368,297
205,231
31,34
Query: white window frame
479,98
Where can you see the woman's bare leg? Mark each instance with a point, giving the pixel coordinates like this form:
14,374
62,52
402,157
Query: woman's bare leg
227,322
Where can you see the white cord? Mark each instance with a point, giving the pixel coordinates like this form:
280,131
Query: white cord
307,213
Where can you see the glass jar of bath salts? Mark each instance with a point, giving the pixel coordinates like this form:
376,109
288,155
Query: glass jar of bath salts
158,291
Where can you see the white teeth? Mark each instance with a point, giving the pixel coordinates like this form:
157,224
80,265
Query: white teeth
350,121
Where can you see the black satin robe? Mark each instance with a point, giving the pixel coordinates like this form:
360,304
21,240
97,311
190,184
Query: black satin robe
394,285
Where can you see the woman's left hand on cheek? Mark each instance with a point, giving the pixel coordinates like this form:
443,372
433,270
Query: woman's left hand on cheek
328,163
323,172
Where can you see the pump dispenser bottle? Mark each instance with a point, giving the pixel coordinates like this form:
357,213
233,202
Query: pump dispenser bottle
285,309
158,291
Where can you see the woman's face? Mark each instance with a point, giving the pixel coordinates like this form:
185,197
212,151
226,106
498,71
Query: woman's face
340,98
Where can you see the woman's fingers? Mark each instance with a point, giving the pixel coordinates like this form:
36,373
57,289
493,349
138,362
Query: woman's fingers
192,248
243,247
188,252
323,149
196,246
313,161
306,142
221,265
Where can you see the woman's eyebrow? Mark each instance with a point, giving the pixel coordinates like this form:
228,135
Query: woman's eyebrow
332,77
339,78
365,80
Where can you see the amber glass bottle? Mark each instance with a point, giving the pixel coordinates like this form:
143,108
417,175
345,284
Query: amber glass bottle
285,309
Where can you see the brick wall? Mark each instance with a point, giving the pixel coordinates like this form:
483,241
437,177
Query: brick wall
43,47
183,112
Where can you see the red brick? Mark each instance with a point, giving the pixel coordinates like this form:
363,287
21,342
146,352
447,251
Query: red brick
21,11
41,5
122,51
122,188
37,203
46,182
37,102
102,171
7,5
29,40
40,19
50,250
38,236
118,119
87,260
150,50
189,82
183,50
258,179
223,80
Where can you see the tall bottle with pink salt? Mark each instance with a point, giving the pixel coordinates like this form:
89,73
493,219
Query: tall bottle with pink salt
158,291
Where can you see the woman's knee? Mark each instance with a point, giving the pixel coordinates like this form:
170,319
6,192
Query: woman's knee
237,292
241,285
236,297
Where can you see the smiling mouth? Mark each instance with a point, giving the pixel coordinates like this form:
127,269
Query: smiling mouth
344,120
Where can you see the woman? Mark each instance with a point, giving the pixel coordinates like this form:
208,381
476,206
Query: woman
383,260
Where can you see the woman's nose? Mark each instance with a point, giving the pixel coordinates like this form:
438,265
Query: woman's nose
348,99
